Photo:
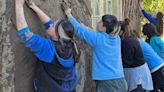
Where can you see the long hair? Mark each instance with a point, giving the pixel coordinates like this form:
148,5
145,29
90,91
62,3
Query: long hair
159,21
66,45
126,30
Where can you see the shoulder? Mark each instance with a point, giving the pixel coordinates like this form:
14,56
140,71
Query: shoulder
156,38
143,43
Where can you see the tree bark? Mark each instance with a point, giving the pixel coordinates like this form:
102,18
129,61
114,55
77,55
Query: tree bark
131,11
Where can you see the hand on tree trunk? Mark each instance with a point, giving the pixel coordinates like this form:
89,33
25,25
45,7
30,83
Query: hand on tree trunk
19,2
140,5
31,4
67,10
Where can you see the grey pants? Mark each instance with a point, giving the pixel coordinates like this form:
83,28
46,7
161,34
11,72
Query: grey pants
116,85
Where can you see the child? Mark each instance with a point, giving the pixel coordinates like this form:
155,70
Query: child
137,73
55,71
154,39
107,68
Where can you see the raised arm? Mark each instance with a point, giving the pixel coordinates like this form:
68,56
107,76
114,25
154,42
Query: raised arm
43,48
44,18
149,17
91,37
47,22
20,18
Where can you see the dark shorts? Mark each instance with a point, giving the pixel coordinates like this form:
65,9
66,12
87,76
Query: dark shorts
158,79
116,85
138,89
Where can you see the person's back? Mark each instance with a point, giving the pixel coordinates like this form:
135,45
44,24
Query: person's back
151,57
55,69
132,55
158,45
107,68
137,73
155,63
107,57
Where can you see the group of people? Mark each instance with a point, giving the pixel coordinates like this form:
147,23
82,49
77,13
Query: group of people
122,61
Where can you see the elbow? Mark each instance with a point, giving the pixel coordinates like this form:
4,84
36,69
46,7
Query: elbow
45,58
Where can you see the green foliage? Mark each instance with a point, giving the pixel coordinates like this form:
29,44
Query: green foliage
152,6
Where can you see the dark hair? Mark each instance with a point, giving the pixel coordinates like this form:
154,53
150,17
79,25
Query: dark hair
67,27
149,30
159,22
125,28
110,22
69,45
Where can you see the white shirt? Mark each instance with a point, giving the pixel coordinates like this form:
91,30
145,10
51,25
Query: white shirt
138,76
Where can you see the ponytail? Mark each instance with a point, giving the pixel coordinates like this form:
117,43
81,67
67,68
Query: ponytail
159,23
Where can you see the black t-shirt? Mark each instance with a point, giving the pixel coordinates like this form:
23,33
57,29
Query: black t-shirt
132,55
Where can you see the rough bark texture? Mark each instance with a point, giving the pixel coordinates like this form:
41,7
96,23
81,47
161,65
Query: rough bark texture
17,63
131,11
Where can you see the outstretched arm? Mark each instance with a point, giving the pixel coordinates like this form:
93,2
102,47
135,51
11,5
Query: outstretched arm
43,48
20,18
45,19
148,16
82,31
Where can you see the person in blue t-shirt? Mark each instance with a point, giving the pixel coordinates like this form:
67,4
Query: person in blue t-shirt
155,64
154,39
156,20
57,55
107,69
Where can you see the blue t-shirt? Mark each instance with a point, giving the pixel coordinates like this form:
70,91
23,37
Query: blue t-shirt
149,17
107,62
158,45
151,57
44,49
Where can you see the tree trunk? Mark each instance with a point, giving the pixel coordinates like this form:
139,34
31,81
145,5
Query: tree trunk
17,63
131,11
